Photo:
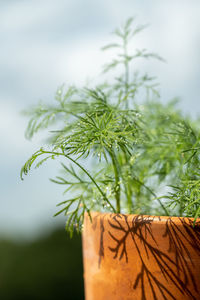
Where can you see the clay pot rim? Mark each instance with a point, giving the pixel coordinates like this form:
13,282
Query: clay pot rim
140,218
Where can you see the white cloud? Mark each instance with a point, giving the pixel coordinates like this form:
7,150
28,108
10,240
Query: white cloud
12,138
36,57
25,15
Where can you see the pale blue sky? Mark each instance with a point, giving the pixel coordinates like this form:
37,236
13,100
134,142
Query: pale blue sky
45,43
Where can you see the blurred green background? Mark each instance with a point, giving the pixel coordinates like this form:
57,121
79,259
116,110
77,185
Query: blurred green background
44,43
48,268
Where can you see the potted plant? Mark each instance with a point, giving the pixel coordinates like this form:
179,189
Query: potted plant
133,181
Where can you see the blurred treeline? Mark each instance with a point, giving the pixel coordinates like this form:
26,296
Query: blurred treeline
48,268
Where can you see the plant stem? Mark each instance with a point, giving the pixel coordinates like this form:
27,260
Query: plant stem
163,207
126,65
129,197
86,172
117,181
128,189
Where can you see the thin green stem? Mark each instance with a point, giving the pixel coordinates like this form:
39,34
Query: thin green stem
86,172
128,189
146,187
117,188
129,196
126,66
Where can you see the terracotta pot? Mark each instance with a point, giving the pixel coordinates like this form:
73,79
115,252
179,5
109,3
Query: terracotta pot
137,257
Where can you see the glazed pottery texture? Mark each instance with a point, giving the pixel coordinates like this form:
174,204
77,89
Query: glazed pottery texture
136,257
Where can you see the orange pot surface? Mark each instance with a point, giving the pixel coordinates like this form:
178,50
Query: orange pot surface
137,257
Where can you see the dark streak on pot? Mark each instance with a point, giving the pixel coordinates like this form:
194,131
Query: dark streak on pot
101,248
162,260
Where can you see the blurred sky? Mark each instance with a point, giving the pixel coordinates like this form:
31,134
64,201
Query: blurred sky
45,43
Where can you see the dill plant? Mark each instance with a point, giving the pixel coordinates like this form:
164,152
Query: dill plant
121,156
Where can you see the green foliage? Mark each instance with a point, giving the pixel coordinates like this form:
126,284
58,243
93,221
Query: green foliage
47,268
142,159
